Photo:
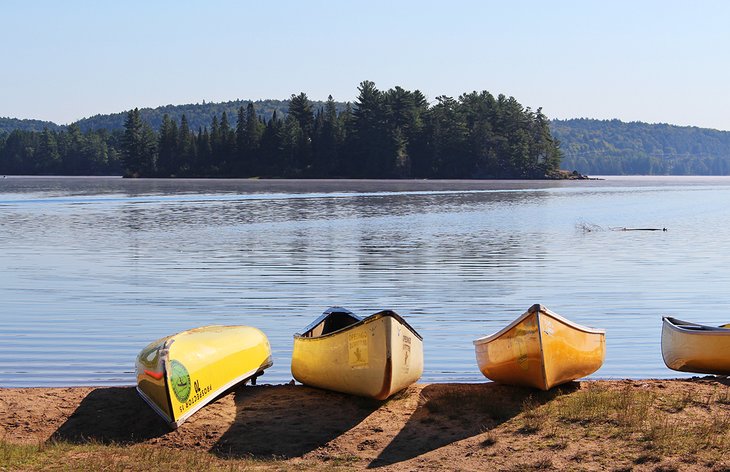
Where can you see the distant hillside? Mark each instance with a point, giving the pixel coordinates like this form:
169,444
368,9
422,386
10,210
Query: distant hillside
10,124
613,147
199,115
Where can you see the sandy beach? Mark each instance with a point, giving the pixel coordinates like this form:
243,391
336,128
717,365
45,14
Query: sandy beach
600,425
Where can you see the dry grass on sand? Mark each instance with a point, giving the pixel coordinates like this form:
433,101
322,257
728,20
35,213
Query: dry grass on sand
661,425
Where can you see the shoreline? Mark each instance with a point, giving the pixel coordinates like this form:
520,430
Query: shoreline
590,425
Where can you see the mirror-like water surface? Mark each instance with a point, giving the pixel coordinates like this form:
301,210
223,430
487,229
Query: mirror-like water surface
93,269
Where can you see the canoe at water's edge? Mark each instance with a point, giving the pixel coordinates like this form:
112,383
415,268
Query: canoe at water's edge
690,347
540,349
373,357
179,374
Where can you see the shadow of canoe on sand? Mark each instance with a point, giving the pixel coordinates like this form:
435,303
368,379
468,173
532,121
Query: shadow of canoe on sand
286,421
447,413
112,415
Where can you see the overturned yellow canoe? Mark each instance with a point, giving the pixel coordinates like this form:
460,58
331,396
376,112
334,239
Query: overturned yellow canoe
372,357
179,374
691,347
540,349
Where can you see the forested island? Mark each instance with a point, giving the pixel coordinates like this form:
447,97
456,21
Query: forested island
383,134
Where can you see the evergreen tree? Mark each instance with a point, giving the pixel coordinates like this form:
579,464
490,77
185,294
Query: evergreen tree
138,146
448,150
227,142
369,136
167,147
271,155
248,136
215,141
328,140
300,149
204,151
185,146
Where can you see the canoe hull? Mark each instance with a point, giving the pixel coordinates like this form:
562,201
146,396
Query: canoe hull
179,374
689,347
540,349
375,357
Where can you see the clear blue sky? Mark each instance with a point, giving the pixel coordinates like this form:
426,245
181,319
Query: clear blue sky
641,60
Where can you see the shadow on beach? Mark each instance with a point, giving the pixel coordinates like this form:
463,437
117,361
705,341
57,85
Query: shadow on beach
286,421
111,415
448,413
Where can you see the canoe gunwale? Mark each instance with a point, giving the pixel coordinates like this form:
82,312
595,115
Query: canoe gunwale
536,309
362,322
689,328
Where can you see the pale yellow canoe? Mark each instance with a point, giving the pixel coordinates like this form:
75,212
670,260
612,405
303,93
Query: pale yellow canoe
690,347
540,349
372,357
179,374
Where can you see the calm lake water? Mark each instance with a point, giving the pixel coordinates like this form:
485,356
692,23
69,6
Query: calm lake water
93,269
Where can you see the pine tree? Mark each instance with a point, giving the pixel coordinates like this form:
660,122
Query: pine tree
185,146
227,142
167,146
300,149
370,136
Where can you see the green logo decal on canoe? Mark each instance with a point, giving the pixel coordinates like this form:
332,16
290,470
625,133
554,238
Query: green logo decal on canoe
179,381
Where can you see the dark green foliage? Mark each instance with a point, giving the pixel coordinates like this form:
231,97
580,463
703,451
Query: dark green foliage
167,148
298,131
385,134
612,147
8,125
138,146
68,152
329,137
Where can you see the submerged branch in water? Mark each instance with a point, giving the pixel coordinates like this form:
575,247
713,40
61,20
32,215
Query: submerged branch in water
587,227
638,229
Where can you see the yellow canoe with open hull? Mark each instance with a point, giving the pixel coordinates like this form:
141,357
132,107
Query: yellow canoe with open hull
372,357
540,349
691,347
179,374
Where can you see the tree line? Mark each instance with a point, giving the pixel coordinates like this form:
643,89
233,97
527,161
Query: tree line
384,134
66,151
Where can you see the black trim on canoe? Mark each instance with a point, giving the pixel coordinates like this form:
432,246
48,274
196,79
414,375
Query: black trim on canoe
689,326
343,315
